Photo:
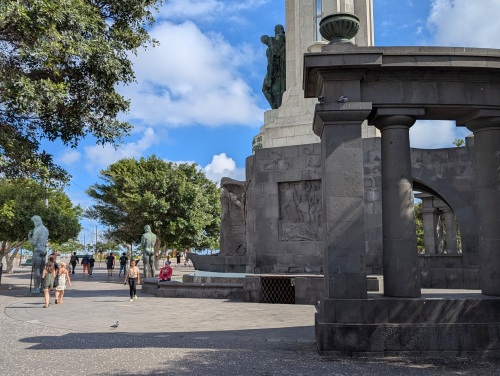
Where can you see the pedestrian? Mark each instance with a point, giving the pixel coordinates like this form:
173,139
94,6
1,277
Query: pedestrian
123,264
62,277
48,276
110,263
73,261
91,264
85,264
165,274
178,256
133,277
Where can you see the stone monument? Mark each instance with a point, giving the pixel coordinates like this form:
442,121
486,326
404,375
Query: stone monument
392,87
38,238
290,123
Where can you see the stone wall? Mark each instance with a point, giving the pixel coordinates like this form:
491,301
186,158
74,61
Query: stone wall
448,173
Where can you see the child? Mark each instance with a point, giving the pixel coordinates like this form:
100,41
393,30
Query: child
165,273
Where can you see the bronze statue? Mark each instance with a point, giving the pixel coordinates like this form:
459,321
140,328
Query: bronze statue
148,242
38,238
275,81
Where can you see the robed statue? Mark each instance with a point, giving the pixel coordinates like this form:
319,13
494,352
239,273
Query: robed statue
275,81
38,238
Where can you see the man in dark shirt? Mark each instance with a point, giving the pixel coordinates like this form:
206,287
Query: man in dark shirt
73,261
110,263
123,264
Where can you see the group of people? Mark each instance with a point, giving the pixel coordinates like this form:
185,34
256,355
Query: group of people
88,263
51,276
54,277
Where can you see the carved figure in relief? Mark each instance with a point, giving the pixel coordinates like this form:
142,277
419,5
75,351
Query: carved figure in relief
233,221
289,202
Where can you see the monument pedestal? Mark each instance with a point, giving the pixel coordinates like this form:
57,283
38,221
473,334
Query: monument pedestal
434,325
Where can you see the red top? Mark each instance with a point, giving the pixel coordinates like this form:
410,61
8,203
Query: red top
165,273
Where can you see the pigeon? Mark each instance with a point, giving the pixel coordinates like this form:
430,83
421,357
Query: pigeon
343,99
114,326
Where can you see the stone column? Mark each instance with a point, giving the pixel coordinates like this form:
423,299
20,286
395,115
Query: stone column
343,198
400,256
487,144
451,230
430,218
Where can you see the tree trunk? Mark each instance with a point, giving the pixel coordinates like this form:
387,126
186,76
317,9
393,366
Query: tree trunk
9,259
157,248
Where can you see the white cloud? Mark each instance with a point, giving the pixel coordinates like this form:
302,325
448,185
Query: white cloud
99,156
435,134
223,166
182,9
465,23
69,157
192,78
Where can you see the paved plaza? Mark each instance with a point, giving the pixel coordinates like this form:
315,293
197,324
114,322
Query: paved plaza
166,336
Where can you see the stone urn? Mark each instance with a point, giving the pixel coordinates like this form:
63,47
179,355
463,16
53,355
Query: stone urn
339,27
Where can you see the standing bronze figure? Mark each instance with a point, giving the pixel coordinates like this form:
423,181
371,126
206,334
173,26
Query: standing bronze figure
275,81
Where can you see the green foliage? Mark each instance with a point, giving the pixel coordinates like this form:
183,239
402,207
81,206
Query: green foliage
20,199
178,201
60,63
459,142
68,247
420,227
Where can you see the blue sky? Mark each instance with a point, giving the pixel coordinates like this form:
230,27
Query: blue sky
198,97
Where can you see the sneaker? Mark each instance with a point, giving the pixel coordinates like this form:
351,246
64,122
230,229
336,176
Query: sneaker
131,300
135,297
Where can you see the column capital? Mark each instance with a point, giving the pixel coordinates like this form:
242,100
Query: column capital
341,113
396,117
484,123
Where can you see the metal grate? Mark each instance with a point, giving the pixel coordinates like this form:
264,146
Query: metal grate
277,290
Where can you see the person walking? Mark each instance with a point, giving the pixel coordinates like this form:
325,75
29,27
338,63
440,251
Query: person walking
73,261
62,277
48,276
91,264
110,263
85,265
133,277
123,264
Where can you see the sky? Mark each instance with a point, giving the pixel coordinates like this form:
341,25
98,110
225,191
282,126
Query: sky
198,94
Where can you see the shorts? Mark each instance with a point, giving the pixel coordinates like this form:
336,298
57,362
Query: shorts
110,267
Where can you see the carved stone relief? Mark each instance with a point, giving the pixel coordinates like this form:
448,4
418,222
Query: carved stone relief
300,211
233,219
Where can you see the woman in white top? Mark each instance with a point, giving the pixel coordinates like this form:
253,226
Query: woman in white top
133,277
63,277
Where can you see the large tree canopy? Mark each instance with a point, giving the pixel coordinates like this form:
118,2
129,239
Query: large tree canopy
20,199
60,62
178,201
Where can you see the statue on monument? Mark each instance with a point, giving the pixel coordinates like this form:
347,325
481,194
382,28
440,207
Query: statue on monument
275,81
148,241
38,238
233,221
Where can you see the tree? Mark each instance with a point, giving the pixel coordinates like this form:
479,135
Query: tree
419,223
459,142
178,201
60,64
20,199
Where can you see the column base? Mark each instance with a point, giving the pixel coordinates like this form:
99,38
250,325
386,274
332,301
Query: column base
464,325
